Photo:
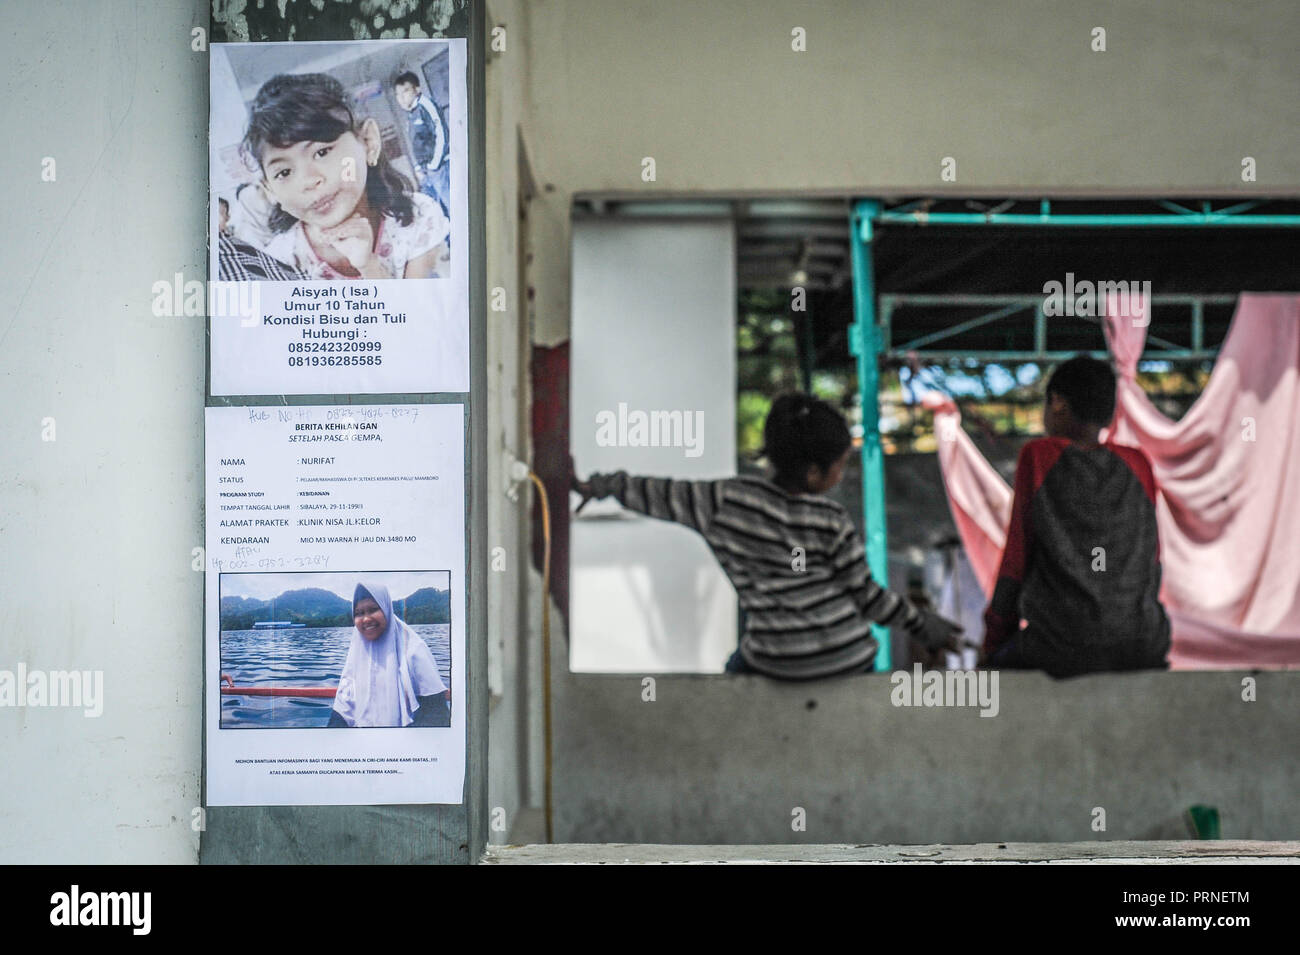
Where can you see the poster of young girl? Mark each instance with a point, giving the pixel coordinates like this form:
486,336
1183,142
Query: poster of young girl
338,188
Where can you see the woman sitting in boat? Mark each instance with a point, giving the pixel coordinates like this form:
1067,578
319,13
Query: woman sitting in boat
390,677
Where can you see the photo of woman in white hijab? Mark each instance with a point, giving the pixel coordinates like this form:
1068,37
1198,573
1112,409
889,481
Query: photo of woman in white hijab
390,677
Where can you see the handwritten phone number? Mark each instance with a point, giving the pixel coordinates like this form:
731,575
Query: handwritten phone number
263,563
330,361
334,347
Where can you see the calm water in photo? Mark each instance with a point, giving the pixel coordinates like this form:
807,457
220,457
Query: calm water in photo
299,657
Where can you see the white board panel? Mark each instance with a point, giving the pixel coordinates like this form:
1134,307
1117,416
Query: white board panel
653,330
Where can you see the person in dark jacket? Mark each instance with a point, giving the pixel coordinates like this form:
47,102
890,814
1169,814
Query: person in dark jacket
428,139
1081,567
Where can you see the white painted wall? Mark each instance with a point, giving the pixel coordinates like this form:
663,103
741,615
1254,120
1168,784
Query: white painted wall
654,329
96,526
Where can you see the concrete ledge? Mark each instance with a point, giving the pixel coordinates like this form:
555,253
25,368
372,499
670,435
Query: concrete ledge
1183,853
729,760
330,835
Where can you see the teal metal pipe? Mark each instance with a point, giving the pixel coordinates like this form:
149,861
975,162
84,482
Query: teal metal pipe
1188,219
864,343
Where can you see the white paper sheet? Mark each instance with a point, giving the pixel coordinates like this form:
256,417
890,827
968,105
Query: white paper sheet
303,503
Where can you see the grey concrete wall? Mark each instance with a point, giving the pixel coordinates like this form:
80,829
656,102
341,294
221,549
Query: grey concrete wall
725,760
1011,89
1215,852
514,657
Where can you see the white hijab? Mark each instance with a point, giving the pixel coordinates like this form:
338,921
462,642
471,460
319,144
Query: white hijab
382,678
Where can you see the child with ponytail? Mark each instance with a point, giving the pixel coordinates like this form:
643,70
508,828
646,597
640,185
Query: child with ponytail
804,619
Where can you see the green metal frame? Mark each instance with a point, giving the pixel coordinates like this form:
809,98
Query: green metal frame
1013,304
869,338
1177,216
864,344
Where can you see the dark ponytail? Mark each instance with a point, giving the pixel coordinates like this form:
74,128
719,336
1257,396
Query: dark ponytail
801,431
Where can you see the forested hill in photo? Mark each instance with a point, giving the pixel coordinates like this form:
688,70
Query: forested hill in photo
314,607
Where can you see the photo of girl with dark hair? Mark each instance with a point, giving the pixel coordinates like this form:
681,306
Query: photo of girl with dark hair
340,208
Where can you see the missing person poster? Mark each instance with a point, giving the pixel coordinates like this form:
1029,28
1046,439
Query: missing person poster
339,197
335,624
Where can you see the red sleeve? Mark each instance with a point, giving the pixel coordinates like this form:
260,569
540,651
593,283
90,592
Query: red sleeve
1002,618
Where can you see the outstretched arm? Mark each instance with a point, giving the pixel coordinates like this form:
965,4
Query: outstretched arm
690,503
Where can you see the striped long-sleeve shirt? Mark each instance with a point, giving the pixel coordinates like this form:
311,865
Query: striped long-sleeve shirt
797,563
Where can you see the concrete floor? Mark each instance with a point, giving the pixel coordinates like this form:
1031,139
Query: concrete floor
1097,853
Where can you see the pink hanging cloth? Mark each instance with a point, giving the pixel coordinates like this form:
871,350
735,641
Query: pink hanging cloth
1229,476
979,499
